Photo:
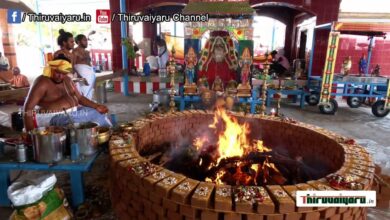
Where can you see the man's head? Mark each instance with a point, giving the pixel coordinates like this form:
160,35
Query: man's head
57,69
57,76
82,40
273,53
65,40
16,71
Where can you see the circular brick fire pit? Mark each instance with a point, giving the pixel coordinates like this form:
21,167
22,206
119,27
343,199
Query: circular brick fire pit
143,190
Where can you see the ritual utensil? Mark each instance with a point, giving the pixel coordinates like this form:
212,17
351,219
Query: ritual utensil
264,88
48,144
104,134
74,148
87,138
172,72
70,118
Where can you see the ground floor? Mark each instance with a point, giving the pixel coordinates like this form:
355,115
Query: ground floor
360,124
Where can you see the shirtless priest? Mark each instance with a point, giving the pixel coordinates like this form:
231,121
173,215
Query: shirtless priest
54,91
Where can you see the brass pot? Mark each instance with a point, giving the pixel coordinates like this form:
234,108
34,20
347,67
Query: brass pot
104,134
126,126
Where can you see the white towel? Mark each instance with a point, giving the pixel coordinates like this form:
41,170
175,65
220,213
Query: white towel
87,73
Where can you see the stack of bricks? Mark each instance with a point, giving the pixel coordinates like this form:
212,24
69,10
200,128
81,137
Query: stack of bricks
142,190
382,187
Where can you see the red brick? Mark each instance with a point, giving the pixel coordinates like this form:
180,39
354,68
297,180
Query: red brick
173,215
311,215
208,215
159,209
335,217
137,205
274,217
155,198
187,210
141,216
341,210
347,215
292,216
255,217
232,216
329,212
172,206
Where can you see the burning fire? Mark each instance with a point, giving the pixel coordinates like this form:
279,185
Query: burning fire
233,143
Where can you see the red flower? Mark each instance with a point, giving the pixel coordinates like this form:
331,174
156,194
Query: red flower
350,141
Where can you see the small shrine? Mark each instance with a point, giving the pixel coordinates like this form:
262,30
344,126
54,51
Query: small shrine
226,57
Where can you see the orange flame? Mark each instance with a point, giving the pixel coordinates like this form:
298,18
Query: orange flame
233,141
199,142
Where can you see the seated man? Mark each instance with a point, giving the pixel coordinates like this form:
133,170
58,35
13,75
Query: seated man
18,80
4,64
279,63
54,92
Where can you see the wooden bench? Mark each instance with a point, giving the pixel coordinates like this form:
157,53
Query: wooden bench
13,94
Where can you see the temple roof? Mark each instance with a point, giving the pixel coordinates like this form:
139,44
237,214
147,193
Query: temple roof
220,8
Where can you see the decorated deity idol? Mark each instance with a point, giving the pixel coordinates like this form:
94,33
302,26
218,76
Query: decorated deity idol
244,88
217,85
362,65
245,64
231,88
218,58
190,61
347,65
203,84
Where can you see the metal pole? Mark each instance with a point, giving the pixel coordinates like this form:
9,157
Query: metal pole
125,64
273,36
369,55
313,43
38,25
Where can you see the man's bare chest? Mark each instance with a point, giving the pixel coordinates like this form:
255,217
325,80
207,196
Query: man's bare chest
56,92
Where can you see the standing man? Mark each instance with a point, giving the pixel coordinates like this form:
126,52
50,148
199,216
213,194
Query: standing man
66,42
162,55
18,80
4,64
82,65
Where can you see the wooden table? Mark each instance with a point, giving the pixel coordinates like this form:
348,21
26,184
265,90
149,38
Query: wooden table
75,169
106,75
13,94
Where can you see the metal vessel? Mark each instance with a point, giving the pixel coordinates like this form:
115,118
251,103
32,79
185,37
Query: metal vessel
87,138
48,144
